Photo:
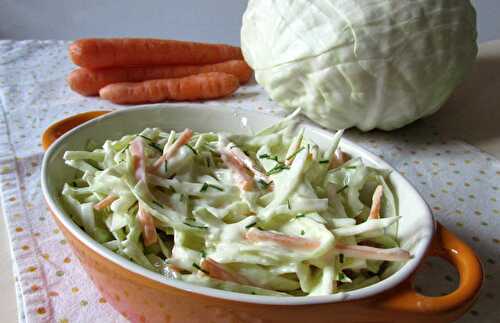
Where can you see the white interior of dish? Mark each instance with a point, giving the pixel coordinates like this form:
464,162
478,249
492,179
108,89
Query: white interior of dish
415,228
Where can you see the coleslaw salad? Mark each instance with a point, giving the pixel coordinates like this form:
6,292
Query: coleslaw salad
267,214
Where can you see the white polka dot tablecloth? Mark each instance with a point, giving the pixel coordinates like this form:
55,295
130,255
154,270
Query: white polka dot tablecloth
460,183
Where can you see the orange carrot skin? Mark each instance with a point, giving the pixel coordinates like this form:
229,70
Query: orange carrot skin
217,271
100,53
89,82
190,88
183,139
105,202
281,239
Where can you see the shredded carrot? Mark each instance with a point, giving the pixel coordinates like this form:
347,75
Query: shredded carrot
105,202
283,240
218,271
183,139
139,160
247,162
242,178
338,159
148,226
376,202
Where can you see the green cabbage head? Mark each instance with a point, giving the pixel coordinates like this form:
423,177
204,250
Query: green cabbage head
360,63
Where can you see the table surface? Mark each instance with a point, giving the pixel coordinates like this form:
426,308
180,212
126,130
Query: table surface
472,110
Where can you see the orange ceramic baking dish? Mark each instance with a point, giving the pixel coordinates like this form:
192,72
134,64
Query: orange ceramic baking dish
144,296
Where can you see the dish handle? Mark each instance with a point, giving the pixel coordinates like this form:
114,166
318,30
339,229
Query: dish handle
56,130
448,307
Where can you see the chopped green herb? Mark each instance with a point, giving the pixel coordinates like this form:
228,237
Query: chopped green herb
199,268
260,228
341,258
342,189
192,149
292,156
206,186
288,204
208,161
324,161
216,187
302,232
248,226
341,276
267,156
74,184
195,226
165,166
203,254
98,168
276,169
300,215
148,139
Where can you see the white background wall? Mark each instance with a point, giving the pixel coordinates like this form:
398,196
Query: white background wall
202,20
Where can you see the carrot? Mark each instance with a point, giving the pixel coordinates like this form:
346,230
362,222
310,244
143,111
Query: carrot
218,271
148,226
376,201
100,53
338,159
88,82
245,161
183,139
195,87
284,240
240,174
365,252
105,202
139,160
